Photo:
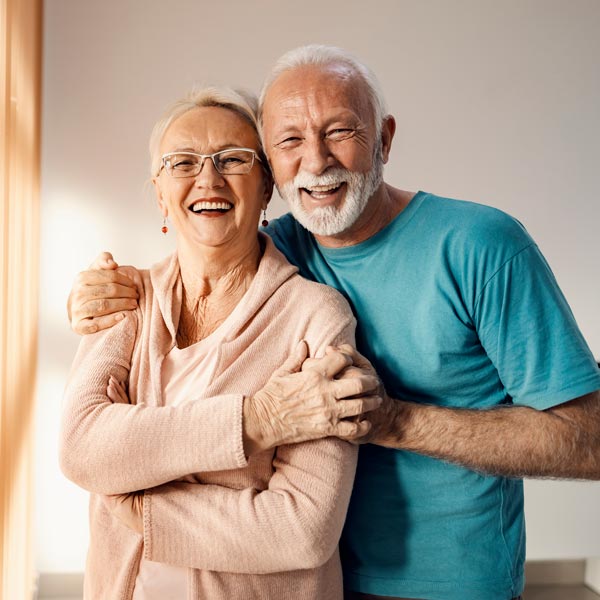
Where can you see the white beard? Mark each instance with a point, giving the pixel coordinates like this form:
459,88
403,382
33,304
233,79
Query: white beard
331,220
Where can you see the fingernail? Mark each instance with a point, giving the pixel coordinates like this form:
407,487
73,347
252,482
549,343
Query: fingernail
119,317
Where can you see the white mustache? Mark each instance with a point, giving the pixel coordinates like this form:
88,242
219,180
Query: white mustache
334,176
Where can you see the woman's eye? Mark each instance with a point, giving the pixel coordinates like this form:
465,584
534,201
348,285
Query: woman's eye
184,165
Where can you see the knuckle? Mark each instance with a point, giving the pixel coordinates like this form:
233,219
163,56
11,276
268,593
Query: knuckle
87,329
77,294
99,305
313,377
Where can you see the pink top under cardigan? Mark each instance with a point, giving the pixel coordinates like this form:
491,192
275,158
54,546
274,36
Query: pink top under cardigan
263,528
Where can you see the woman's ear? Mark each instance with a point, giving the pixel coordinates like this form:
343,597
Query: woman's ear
268,190
159,197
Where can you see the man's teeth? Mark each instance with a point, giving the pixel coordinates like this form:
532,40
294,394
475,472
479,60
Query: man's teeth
200,206
319,191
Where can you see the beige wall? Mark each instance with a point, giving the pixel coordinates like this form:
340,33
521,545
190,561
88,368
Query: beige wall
496,102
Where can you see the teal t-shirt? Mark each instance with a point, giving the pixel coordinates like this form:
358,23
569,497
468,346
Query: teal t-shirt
457,307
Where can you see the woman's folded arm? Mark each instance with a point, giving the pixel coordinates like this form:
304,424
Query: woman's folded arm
294,524
112,448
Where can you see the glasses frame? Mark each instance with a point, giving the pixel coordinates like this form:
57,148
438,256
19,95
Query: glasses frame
203,157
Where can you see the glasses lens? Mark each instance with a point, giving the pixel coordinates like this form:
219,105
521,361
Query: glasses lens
182,164
234,162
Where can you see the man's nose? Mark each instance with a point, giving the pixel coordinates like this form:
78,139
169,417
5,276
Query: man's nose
209,176
317,156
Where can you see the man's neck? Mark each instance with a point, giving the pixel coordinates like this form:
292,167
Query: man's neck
383,207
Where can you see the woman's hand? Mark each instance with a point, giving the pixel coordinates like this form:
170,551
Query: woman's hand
128,508
306,403
116,392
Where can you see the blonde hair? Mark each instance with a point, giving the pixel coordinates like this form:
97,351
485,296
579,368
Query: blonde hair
239,101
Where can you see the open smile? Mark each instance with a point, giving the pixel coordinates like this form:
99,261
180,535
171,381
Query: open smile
323,192
320,196
211,207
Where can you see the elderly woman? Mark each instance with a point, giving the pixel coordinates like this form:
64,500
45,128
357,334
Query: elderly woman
215,321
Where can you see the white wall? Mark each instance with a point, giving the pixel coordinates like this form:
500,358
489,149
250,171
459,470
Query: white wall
496,102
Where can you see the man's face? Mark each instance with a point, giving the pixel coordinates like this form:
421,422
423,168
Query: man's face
319,135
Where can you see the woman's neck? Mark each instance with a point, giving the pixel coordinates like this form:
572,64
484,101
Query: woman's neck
214,281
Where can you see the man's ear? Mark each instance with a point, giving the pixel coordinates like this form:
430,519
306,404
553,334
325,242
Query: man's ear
388,129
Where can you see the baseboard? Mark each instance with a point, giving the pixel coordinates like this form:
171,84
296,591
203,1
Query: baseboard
592,574
552,572
555,572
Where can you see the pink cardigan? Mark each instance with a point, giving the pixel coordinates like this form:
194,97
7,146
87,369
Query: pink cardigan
263,528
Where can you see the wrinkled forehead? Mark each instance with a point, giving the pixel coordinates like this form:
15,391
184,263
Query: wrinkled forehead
317,87
209,128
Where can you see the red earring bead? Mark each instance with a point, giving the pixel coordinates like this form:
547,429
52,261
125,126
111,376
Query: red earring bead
164,229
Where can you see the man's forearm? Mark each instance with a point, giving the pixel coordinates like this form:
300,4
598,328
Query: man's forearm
512,441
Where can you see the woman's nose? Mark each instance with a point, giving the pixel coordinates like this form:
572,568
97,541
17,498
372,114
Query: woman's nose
208,176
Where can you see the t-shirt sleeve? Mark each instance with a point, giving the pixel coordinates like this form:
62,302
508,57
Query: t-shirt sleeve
529,332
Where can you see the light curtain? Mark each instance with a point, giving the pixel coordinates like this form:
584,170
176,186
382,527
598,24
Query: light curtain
20,90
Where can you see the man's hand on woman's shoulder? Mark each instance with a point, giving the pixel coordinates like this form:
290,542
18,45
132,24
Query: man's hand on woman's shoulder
100,295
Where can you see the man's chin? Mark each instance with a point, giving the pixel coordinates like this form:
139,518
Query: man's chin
323,221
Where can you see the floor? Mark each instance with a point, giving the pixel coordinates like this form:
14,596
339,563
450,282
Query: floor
559,592
533,592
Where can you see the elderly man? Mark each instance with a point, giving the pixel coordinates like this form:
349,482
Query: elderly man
487,377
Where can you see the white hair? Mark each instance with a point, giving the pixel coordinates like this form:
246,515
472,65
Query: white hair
320,55
239,101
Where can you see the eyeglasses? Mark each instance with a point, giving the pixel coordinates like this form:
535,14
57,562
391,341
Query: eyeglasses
233,161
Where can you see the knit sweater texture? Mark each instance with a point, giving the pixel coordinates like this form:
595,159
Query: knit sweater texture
263,528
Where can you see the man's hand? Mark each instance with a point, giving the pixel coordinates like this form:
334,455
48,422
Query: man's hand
128,508
306,403
99,296
383,420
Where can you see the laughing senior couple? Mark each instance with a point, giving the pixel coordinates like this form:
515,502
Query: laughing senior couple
216,406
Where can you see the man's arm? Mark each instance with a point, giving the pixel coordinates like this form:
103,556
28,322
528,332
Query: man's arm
510,441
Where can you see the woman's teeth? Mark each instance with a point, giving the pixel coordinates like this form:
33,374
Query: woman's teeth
200,206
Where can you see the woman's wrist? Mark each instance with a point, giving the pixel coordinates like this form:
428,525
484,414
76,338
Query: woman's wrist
253,434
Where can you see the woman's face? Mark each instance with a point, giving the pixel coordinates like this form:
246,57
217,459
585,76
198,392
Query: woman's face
235,201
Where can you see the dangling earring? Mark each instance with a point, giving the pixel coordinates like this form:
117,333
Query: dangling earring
265,222
164,228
